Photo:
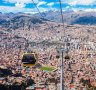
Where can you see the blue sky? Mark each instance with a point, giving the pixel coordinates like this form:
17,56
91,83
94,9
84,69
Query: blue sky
45,5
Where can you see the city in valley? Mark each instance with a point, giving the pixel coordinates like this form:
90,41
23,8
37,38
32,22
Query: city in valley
20,33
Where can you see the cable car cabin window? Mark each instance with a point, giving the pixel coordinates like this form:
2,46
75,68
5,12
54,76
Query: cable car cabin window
29,59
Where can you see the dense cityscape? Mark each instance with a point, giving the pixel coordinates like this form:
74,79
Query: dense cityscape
22,33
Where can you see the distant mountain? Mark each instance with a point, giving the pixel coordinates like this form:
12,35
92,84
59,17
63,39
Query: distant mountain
84,20
18,20
71,17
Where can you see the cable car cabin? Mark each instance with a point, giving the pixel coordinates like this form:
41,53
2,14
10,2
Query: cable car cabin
29,59
57,56
67,57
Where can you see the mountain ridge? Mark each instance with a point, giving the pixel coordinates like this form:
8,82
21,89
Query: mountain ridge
16,20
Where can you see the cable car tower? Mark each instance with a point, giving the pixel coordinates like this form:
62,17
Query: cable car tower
64,50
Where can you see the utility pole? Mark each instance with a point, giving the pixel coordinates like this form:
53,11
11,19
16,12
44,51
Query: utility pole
61,50
62,73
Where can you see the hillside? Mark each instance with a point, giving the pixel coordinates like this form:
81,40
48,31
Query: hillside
70,17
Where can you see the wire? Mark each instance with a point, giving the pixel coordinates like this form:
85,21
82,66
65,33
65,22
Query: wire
62,15
41,14
67,46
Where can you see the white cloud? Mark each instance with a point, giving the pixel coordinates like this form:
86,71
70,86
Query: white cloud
16,9
50,4
31,12
83,9
67,7
79,2
41,3
21,1
43,9
20,5
90,10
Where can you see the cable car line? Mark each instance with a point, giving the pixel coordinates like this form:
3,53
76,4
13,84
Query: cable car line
67,44
41,14
62,15
29,58
66,56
